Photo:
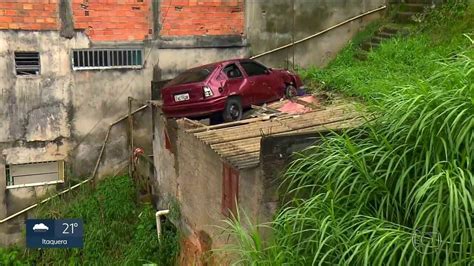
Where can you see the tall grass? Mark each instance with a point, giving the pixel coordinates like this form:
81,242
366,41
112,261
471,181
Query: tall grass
397,191
117,230
400,61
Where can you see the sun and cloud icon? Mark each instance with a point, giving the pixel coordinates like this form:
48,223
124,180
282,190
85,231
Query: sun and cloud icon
41,227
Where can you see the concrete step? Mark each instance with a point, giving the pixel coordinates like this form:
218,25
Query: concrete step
405,17
377,39
385,35
426,2
415,8
389,30
367,46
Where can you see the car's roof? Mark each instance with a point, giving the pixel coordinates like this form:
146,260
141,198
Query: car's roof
223,62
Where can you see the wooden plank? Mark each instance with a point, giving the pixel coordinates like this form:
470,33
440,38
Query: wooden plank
194,122
231,124
236,149
232,130
308,104
244,157
265,109
247,165
244,132
236,143
246,135
232,153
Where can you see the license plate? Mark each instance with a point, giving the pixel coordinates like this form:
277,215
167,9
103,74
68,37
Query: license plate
181,97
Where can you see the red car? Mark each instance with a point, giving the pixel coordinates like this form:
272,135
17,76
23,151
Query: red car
225,89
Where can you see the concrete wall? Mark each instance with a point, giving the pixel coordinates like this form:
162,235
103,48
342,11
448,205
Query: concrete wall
270,25
277,152
191,173
64,114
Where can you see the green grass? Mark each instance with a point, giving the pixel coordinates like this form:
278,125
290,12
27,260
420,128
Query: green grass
398,62
118,231
398,190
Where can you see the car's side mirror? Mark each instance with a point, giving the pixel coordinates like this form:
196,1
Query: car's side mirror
268,71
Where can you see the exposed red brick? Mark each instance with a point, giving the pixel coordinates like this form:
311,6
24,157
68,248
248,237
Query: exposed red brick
128,20
113,20
29,15
202,17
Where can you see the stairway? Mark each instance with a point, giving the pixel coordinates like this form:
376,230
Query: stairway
410,9
405,15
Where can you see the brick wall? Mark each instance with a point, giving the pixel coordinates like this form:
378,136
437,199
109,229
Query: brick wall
29,15
113,20
128,20
202,17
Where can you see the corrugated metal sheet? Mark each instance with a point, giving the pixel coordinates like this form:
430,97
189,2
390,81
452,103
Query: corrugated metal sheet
239,145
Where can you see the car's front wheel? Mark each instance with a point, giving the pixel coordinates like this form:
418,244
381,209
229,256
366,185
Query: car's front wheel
291,91
233,110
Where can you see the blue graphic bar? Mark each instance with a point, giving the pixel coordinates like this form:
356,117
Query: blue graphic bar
49,233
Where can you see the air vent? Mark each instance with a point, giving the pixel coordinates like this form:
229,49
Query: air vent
27,63
89,59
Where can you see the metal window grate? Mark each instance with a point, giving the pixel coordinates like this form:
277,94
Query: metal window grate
27,63
34,174
89,59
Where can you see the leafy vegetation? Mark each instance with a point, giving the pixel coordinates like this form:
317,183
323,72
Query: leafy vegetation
118,231
398,190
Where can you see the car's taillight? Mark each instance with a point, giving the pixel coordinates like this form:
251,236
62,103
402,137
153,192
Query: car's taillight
207,92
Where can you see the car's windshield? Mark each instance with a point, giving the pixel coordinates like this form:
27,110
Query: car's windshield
192,75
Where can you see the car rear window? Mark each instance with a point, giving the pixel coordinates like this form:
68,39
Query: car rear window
192,75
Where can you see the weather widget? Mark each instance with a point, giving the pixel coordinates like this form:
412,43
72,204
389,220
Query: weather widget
49,233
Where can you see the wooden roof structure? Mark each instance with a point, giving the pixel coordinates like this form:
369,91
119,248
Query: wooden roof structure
238,143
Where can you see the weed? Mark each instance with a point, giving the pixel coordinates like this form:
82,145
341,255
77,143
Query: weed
117,230
397,191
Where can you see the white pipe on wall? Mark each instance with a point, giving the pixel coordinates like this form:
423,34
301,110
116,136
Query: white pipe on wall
158,221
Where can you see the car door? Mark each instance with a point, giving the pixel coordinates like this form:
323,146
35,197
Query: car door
234,82
260,82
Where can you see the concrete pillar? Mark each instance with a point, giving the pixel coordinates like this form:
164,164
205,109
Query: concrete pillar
3,185
3,207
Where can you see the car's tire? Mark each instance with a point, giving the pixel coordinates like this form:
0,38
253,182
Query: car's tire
290,91
233,110
216,119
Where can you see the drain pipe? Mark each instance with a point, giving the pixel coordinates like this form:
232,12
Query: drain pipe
158,221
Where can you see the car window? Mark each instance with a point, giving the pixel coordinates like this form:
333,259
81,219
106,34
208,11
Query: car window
232,71
192,75
253,69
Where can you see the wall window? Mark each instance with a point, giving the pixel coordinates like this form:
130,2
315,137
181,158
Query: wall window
230,190
27,63
89,59
34,174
